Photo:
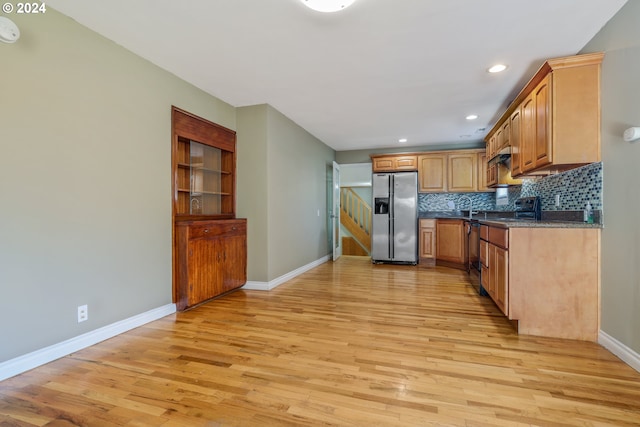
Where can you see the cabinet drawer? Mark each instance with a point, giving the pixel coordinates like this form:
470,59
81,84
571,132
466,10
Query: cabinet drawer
427,223
499,237
484,232
217,228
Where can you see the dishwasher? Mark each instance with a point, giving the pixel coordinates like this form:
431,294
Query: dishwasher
472,253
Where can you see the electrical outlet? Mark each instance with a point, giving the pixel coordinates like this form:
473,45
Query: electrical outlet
557,200
83,313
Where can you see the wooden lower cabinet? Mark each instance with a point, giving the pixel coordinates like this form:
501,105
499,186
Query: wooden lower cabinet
427,248
450,236
546,279
500,271
211,259
494,258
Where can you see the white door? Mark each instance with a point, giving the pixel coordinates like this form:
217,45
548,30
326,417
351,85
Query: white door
335,213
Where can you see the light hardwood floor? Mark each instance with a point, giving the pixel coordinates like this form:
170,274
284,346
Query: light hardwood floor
345,344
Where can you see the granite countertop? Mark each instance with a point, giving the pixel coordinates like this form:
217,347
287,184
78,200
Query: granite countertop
550,219
537,224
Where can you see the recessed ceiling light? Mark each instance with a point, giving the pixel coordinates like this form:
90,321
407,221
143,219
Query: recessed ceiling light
497,68
471,117
327,5
402,140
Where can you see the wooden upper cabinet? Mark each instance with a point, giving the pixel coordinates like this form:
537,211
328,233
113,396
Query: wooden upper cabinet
559,116
452,171
543,122
491,147
506,135
484,176
203,166
432,173
536,117
406,163
462,172
497,141
394,163
515,142
528,135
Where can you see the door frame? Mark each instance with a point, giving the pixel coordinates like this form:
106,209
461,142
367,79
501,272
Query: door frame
336,241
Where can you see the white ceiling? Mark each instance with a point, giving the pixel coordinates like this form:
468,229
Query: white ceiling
361,78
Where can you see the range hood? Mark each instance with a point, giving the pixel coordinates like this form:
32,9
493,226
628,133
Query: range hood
502,156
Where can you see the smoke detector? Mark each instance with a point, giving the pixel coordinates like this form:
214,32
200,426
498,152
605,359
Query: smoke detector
9,32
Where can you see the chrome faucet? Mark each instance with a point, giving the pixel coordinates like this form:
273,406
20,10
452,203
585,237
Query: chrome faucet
471,211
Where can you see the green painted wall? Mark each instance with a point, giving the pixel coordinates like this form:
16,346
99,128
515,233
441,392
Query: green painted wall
297,193
85,181
253,187
282,183
620,40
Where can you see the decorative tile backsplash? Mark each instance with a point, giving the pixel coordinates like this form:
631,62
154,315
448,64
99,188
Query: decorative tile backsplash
575,188
441,201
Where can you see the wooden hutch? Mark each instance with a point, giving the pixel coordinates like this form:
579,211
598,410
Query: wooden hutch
209,242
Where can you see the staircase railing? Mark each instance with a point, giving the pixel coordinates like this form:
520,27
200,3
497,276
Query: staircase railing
356,216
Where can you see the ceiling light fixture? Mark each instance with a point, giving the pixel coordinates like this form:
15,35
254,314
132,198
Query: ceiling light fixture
471,117
402,140
327,5
497,68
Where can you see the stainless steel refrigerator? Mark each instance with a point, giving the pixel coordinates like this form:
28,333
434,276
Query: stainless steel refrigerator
395,218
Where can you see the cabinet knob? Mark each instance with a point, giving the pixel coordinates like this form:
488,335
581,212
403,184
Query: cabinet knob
206,230
234,228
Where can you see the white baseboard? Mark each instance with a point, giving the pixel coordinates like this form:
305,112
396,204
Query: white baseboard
629,356
267,286
45,355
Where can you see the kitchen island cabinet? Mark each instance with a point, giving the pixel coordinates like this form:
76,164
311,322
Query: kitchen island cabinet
494,261
546,279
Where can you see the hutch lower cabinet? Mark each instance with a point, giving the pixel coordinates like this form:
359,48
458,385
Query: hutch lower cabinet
211,259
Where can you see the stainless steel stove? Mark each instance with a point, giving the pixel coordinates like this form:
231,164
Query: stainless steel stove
528,208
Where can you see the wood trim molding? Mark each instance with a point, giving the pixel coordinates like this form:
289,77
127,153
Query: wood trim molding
45,355
267,286
627,355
